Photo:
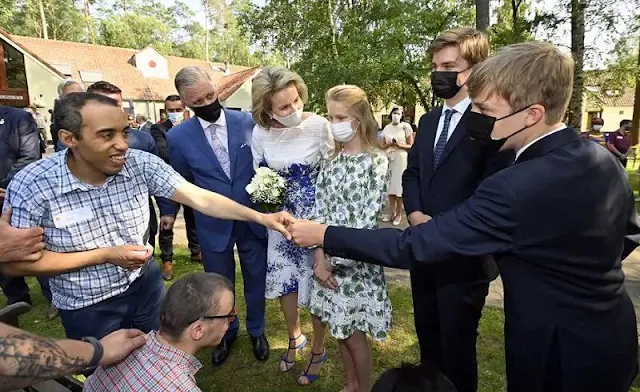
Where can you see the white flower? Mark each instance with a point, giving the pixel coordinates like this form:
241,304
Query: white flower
250,188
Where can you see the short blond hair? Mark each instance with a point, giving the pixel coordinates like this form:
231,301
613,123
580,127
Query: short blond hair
525,74
359,107
473,44
268,82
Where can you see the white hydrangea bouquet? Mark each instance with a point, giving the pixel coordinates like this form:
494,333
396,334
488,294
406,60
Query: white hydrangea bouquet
267,189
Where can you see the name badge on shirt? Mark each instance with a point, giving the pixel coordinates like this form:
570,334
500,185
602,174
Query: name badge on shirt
68,218
619,137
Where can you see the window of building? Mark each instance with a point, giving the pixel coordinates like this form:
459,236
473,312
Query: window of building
14,72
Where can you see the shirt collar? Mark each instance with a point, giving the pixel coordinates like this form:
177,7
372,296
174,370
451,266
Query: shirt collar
461,107
69,182
220,122
172,354
522,149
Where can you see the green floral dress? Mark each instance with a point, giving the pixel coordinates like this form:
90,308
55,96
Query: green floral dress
350,192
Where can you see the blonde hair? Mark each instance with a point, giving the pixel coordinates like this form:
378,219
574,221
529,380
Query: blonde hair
525,74
268,82
358,106
473,44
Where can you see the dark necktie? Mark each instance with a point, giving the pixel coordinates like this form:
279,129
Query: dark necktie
442,140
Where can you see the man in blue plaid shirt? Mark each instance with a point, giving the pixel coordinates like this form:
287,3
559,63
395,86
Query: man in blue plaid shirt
92,202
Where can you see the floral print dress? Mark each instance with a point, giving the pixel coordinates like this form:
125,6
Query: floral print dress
350,192
296,154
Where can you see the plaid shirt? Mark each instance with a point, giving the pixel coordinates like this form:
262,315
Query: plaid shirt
153,367
78,217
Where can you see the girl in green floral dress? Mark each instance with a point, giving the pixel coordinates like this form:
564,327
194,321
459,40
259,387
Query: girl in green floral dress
348,296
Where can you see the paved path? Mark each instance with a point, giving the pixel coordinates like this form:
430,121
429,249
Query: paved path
631,267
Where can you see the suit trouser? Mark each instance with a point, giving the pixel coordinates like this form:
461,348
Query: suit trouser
253,262
16,290
446,320
153,224
165,237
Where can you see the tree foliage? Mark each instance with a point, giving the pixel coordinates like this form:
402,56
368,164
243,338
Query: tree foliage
382,46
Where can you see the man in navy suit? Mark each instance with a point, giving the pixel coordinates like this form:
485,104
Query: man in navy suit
556,222
212,151
444,168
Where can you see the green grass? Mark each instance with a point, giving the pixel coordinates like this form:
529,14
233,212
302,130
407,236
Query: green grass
243,373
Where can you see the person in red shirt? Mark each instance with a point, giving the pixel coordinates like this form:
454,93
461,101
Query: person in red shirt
619,142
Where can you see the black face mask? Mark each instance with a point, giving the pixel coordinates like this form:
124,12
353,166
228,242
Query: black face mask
445,83
210,112
479,127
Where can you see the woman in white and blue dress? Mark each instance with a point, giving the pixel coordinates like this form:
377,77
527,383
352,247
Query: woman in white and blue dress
292,142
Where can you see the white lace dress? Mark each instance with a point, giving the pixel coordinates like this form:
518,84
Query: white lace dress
296,153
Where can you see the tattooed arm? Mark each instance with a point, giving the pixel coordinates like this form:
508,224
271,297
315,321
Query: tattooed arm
26,359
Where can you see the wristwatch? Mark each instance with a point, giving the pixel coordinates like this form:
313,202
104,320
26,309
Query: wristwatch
98,350
313,247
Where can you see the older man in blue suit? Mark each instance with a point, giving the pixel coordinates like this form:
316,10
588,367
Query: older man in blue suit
212,151
557,222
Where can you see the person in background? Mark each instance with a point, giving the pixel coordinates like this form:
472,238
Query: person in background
413,378
407,119
66,87
92,201
293,142
348,295
20,147
163,118
132,122
596,133
143,123
212,150
175,109
167,361
619,142
397,139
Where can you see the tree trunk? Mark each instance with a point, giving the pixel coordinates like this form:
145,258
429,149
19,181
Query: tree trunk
206,32
43,21
636,106
577,50
482,15
87,16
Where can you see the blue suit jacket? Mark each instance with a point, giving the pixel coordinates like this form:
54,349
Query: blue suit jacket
434,191
191,155
558,222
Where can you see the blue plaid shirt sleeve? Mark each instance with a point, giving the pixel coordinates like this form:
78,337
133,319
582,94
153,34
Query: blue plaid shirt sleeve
162,179
25,210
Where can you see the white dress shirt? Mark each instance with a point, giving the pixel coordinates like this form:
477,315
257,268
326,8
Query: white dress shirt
521,150
460,109
221,130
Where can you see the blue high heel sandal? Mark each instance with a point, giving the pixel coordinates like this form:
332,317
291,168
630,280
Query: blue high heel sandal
285,358
313,377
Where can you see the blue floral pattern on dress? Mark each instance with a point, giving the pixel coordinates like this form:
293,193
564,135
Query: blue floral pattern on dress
288,266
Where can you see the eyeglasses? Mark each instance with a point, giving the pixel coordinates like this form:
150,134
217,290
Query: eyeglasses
231,317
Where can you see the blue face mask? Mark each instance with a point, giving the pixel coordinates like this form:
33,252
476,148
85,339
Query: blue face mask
176,117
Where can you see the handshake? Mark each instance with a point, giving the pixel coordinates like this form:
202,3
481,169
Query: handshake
303,233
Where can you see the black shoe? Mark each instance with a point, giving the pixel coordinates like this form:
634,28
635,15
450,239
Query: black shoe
260,347
221,352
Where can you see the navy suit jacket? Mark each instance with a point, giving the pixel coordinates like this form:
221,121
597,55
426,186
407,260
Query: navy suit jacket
19,142
556,222
191,155
159,132
434,191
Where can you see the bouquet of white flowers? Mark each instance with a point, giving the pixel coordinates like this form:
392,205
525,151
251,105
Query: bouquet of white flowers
267,189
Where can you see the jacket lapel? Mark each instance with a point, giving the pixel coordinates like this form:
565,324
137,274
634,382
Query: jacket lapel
458,133
202,143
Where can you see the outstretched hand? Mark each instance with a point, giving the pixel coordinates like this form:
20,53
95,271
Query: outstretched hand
305,233
117,345
279,221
